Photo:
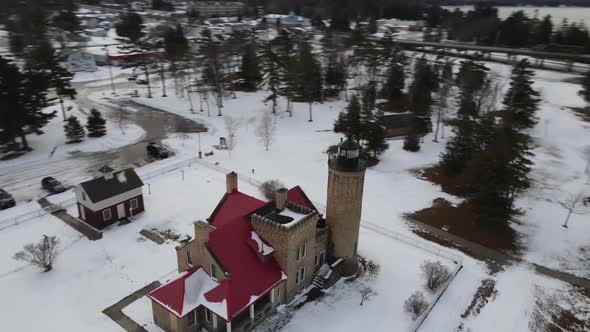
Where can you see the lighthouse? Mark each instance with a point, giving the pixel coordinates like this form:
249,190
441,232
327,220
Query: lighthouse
346,177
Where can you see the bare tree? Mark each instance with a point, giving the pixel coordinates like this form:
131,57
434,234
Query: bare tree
574,204
435,274
41,254
231,126
415,304
266,130
269,187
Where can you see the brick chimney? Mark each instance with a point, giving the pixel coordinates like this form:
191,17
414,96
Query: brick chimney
202,230
231,181
281,198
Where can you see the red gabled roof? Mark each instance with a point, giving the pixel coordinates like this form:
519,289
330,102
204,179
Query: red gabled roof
250,277
297,195
233,245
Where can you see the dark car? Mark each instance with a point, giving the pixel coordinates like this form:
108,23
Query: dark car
156,151
52,185
6,200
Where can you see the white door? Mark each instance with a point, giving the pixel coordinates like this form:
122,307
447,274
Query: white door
121,211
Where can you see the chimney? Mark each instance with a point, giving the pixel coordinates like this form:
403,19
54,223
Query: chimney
202,230
281,198
107,172
231,181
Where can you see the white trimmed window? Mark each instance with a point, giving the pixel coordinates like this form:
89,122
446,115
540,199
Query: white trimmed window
134,204
191,318
207,315
213,271
301,251
300,276
189,260
106,214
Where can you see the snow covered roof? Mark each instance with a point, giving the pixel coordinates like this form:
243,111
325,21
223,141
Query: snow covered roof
236,246
188,292
103,188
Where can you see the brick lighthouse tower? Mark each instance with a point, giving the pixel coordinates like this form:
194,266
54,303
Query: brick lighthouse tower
346,179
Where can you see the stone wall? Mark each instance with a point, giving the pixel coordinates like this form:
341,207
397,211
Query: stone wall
199,252
286,240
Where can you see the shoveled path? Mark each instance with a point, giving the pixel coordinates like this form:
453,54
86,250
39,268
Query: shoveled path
86,230
480,251
116,314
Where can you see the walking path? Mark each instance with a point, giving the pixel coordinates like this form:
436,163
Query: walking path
479,251
116,314
90,232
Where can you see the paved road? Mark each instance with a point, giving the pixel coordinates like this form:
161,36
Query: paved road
479,251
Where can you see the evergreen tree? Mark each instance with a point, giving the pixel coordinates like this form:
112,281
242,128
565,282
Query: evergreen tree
67,21
73,130
271,75
335,76
131,35
23,96
376,142
425,82
250,71
96,124
310,78
349,120
372,28
395,81
585,92
44,59
411,141
175,43
542,32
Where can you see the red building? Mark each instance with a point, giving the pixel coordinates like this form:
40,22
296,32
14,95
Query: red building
110,198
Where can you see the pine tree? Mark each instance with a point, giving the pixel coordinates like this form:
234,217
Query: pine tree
585,92
310,79
250,71
24,96
96,124
411,141
271,75
73,130
395,81
376,141
425,82
372,28
44,59
349,120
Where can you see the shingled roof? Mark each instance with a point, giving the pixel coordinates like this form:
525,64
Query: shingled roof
102,188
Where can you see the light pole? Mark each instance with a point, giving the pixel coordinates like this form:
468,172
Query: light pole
110,70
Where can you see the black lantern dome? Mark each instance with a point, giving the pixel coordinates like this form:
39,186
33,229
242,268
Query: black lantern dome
348,156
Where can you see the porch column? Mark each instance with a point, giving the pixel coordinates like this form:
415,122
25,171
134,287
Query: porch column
228,326
252,311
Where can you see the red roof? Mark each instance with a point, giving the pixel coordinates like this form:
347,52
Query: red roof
231,243
297,195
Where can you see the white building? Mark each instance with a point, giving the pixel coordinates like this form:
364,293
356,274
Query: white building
290,20
81,61
218,9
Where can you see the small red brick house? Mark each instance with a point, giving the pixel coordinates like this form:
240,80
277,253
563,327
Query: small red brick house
109,198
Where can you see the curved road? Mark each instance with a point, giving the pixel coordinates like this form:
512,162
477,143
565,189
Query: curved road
23,180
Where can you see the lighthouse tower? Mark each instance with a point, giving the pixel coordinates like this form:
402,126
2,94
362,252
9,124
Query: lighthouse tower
346,179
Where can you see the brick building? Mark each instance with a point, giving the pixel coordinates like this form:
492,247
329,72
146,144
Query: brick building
250,256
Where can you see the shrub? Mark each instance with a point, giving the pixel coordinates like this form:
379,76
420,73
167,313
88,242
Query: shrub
435,274
415,304
268,188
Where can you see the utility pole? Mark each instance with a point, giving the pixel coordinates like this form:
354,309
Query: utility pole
110,70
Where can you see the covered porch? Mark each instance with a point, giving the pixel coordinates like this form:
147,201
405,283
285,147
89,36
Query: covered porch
253,315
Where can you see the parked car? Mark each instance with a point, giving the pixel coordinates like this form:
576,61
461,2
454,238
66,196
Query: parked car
6,200
52,185
156,151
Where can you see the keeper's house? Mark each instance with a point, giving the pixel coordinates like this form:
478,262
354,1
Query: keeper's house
112,197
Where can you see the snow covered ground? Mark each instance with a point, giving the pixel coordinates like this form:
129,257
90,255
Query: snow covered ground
90,276
21,176
122,261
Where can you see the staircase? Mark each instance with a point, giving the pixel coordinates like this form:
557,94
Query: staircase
318,281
